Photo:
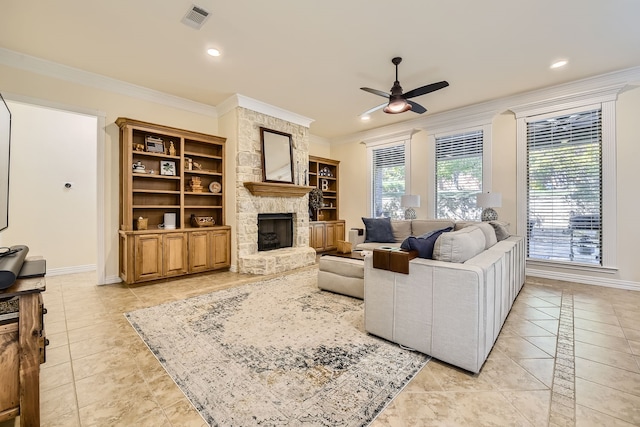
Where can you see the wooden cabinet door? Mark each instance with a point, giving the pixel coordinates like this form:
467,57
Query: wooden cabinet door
199,253
219,241
330,236
175,254
340,231
10,359
318,231
148,257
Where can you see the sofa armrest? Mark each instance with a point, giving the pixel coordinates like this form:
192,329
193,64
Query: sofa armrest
356,239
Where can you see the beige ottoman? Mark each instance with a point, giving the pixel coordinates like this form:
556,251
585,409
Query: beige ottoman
342,275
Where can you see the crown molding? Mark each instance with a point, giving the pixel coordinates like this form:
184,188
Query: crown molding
63,72
460,119
482,113
568,101
237,100
389,138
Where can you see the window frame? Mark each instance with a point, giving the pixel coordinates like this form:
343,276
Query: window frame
386,142
486,129
482,157
539,111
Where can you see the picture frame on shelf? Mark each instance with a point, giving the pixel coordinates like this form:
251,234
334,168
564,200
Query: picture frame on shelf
168,168
154,145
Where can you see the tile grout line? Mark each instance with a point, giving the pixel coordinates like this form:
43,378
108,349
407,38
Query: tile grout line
563,396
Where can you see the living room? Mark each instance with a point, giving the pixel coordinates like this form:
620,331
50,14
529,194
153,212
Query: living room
30,78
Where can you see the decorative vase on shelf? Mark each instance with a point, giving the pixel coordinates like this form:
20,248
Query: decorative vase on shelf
315,202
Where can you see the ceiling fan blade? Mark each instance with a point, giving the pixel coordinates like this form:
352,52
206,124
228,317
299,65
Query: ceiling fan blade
417,108
376,92
366,113
426,89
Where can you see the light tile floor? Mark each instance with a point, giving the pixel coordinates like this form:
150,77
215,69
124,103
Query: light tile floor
567,355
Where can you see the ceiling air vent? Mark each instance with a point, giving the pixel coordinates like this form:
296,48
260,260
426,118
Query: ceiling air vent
195,17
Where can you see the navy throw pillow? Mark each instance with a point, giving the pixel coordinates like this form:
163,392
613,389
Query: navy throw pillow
378,230
425,243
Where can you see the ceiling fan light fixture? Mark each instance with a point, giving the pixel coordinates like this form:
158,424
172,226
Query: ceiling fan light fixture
397,105
398,101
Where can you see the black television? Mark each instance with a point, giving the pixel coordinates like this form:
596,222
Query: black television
5,142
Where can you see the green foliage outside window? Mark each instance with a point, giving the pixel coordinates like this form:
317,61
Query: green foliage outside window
390,186
458,182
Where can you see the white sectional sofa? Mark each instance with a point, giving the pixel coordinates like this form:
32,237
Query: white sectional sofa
451,308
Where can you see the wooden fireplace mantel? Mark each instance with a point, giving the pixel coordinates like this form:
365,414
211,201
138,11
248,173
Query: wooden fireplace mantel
275,189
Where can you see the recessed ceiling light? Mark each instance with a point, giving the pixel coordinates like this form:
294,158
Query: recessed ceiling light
559,64
365,118
213,52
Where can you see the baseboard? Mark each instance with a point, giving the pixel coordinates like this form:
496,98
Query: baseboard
110,280
71,270
587,280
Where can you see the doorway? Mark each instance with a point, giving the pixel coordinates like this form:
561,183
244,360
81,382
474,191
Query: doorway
53,199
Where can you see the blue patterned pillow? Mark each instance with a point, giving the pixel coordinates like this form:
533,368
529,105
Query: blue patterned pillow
378,230
424,244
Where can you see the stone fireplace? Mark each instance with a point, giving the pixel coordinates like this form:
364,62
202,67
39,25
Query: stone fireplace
252,205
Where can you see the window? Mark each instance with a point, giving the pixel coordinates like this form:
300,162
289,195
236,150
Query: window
459,174
564,187
388,180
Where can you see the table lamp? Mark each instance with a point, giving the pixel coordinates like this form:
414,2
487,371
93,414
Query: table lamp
488,201
410,201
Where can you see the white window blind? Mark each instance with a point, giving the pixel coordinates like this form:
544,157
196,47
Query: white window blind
564,187
459,175
388,181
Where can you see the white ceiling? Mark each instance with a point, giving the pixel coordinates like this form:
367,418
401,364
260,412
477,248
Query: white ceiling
311,57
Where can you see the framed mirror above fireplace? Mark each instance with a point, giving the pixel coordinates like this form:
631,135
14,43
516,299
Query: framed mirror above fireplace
277,156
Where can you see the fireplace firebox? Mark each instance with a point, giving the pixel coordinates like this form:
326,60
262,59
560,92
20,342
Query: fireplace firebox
275,231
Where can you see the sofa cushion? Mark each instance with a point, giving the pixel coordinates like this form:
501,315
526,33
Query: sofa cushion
462,224
489,234
424,244
423,226
401,229
487,229
378,230
459,246
502,232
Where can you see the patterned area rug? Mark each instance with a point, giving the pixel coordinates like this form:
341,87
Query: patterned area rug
276,353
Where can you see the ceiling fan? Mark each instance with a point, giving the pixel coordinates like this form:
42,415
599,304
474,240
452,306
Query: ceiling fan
399,102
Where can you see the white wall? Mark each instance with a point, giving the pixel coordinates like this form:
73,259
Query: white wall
49,148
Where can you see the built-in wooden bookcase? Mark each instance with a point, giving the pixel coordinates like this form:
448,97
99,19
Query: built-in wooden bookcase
326,227
166,170
324,174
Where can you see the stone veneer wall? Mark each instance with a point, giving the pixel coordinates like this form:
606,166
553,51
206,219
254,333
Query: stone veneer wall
249,169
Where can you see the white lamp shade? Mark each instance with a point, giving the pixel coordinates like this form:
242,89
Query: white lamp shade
489,200
410,201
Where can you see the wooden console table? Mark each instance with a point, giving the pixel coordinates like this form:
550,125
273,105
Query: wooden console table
22,346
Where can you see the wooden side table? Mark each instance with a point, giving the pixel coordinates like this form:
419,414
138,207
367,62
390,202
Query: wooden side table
396,259
26,350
